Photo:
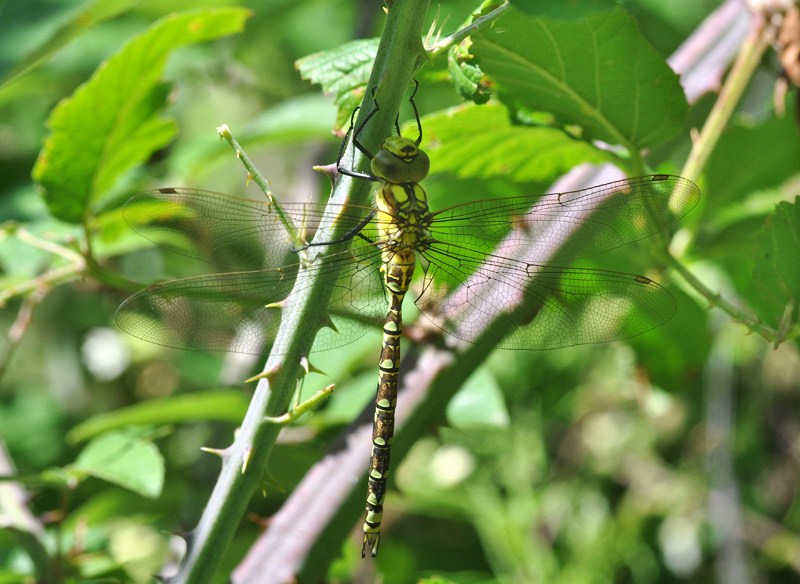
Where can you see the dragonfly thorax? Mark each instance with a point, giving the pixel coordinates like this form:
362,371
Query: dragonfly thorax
400,161
403,217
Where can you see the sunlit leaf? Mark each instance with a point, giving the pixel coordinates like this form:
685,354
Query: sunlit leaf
597,72
115,113
124,460
480,142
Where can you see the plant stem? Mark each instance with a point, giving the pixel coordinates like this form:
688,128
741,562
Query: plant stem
747,60
399,55
258,178
743,68
458,36
715,299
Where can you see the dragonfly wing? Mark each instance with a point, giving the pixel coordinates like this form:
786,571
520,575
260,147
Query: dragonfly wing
240,311
231,232
560,306
570,225
357,303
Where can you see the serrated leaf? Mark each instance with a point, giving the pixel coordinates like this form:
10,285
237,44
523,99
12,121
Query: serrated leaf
480,142
225,406
344,71
597,72
109,124
776,269
124,460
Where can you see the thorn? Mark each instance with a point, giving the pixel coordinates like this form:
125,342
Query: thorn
303,408
279,304
259,520
246,460
221,452
328,170
268,374
247,179
328,322
311,368
308,367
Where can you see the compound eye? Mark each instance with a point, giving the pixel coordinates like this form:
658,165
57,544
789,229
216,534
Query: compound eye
388,167
418,167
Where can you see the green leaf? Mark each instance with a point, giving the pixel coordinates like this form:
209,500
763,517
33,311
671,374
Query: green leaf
574,9
124,460
467,78
776,266
478,404
343,71
731,175
480,142
298,118
110,123
224,406
596,72
91,14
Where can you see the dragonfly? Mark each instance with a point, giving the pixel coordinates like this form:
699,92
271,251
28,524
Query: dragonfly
477,260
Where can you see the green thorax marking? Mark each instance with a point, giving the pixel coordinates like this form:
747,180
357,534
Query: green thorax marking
403,215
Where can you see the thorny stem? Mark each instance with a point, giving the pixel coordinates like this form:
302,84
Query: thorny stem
304,407
255,175
399,55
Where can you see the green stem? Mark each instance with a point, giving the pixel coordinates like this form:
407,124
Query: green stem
715,299
399,55
458,36
303,408
24,235
258,178
743,68
747,60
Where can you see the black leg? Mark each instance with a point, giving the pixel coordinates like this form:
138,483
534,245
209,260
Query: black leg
416,113
355,231
351,132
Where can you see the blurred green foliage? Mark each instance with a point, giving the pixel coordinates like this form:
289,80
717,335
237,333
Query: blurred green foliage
668,457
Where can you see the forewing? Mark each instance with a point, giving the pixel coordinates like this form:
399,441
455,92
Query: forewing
231,232
493,257
570,225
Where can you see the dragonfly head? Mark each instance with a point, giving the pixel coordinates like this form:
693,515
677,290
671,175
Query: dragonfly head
400,161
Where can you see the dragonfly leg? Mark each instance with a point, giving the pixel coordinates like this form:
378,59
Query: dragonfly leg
346,237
